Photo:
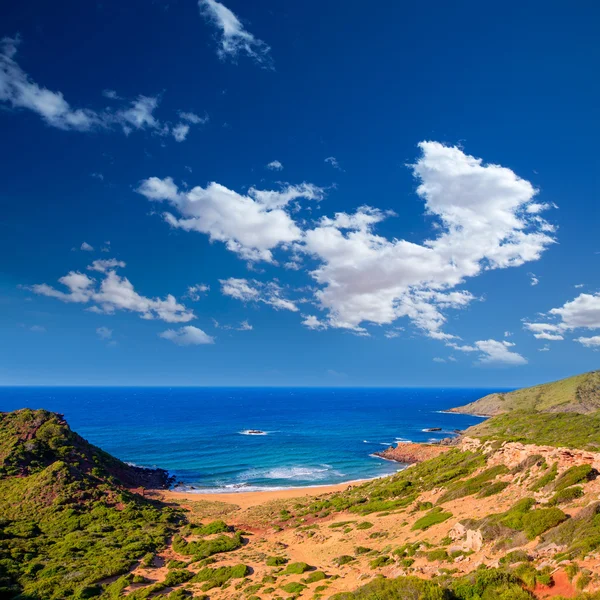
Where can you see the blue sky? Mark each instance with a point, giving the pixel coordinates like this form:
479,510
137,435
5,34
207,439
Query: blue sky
292,193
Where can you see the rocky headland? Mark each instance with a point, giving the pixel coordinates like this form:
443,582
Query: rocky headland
409,453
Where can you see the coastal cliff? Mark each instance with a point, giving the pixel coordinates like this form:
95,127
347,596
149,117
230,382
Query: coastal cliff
409,453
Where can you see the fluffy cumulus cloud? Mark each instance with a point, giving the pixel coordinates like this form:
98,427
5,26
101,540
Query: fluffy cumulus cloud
581,313
234,38
481,215
254,291
20,91
493,352
113,293
187,336
484,216
252,224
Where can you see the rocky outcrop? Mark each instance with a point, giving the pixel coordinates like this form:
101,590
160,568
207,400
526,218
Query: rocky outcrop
512,454
409,453
470,539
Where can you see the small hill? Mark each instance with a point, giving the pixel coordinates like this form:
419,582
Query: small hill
68,515
578,394
32,440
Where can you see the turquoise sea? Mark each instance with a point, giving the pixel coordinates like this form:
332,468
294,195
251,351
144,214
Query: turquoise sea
312,436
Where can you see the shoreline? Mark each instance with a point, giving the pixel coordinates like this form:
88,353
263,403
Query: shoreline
248,499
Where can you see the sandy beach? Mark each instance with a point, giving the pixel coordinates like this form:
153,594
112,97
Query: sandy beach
245,500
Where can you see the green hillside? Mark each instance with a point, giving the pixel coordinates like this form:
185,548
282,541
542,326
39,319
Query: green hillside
579,394
67,517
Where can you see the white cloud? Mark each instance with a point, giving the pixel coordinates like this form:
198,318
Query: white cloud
545,348
483,224
194,292
37,329
493,352
114,293
437,359
245,326
187,336
589,342
180,131
235,39
313,322
103,265
333,161
193,118
19,91
104,333
251,225
393,333
275,165
111,94
582,312
255,291
86,247
534,280
579,285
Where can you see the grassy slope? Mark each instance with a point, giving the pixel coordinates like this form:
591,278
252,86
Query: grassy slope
578,394
564,430
67,519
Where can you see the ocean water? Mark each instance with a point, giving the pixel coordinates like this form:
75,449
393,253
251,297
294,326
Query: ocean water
200,435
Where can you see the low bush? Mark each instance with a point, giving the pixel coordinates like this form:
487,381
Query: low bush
293,587
314,577
381,561
296,568
344,559
566,495
213,578
433,517
473,485
572,476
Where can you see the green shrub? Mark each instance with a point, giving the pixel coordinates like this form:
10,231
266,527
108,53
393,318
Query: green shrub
546,479
473,485
381,561
177,577
275,561
566,495
205,548
438,554
293,587
218,577
539,521
364,525
344,559
514,557
493,489
433,517
572,476
314,576
296,568
211,528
